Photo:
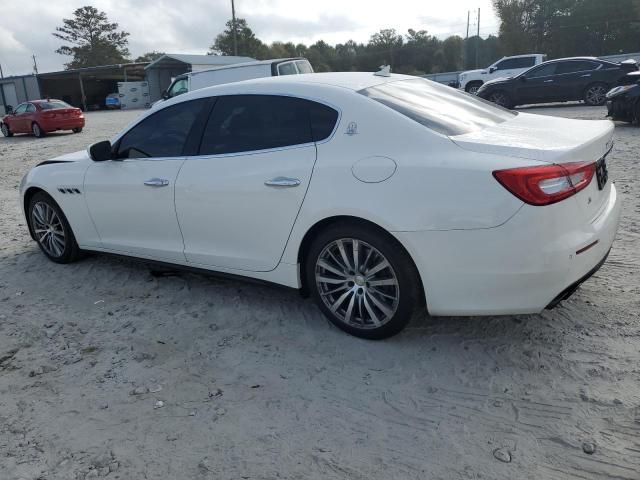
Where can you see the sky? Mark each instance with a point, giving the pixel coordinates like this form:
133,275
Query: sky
190,26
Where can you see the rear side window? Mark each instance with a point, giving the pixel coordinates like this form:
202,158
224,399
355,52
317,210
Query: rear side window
576,66
163,134
31,108
438,107
523,62
244,123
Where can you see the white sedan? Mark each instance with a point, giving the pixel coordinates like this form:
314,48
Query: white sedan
376,195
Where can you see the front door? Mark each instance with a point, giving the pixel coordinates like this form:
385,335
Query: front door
131,198
537,85
238,200
18,121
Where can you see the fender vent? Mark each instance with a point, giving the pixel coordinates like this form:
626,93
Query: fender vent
71,191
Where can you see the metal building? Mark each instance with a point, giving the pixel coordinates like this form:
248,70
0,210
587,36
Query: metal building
18,89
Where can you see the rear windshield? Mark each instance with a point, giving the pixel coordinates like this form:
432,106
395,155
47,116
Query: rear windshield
53,105
438,107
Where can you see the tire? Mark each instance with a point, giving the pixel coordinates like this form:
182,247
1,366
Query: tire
501,98
57,242
595,94
347,296
37,130
77,130
472,87
5,130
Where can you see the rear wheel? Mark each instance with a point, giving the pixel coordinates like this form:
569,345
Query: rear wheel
501,98
5,130
363,280
77,130
596,94
472,87
52,230
37,130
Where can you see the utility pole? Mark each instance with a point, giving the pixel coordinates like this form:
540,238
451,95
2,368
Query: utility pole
35,65
466,42
1,74
478,39
233,22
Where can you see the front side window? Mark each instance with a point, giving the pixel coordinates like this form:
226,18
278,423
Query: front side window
20,108
287,68
162,134
244,123
438,107
179,87
542,71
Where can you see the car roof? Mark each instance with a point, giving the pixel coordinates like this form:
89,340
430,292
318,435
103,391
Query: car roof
596,59
243,64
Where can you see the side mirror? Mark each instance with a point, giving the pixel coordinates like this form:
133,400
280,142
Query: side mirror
9,109
165,95
101,151
492,69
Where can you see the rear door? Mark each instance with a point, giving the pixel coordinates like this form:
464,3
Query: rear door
537,85
238,200
573,76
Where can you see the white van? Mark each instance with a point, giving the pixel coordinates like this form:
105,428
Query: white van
188,82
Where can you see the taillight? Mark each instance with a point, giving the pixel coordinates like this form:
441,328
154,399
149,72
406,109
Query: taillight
546,184
49,115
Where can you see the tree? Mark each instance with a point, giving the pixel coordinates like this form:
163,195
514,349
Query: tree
248,44
149,56
95,40
384,43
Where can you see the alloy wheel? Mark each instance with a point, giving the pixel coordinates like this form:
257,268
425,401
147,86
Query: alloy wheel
36,130
5,130
596,95
357,283
473,90
48,229
499,99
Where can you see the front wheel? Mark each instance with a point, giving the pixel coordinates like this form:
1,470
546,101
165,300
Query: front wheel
52,230
5,130
500,98
595,95
37,130
473,87
363,280
77,130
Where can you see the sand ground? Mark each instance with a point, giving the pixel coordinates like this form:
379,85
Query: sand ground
256,384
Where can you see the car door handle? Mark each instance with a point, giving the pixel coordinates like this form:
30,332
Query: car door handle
585,76
548,81
282,182
156,182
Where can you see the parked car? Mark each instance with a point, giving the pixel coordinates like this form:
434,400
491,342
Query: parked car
562,80
188,82
623,101
42,116
361,190
471,80
112,101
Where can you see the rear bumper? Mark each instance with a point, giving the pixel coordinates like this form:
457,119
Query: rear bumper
531,262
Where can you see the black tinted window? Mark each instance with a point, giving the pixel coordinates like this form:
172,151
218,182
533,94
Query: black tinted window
53,105
542,71
163,134
575,66
524,62
242,123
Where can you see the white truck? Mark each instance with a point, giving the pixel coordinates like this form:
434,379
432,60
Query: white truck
188,82
470,81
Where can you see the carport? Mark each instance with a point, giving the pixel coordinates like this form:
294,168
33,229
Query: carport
87,87
161,72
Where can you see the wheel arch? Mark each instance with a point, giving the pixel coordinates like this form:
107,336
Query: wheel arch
320,225
28,195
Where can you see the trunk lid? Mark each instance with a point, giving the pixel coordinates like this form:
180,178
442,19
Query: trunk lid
551,140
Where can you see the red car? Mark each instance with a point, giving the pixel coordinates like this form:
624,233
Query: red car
41,116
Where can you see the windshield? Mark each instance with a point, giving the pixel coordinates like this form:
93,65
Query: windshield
438,107
54,104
